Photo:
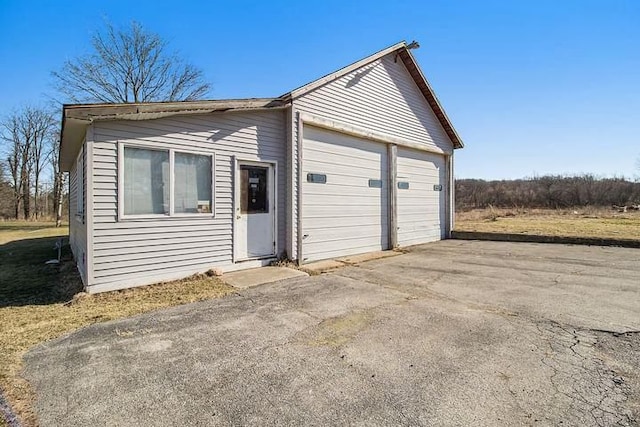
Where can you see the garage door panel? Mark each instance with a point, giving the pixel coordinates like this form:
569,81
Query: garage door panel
315,138
361,231
344,171
417,217
322,211
420,207
417,236
342,221
361,190
420,181
344,160
420,194
343,216
416,167
335,248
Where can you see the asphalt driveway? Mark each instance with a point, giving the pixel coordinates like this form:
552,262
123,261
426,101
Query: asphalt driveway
452,333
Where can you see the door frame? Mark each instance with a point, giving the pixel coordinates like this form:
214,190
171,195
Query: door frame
273,202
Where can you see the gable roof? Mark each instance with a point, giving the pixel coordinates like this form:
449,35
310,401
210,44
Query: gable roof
402,51
76,117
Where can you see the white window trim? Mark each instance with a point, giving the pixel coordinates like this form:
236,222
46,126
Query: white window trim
171,215
80,193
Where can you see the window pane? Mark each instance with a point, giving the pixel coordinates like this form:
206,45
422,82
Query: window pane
146,181
80,183
192,183
254,197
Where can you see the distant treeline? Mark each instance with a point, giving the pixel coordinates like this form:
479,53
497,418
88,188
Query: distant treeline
554,191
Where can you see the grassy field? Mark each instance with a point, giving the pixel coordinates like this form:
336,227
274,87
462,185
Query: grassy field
40,302
585,222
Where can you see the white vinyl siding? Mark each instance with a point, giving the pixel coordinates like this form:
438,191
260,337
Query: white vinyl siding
77,225
136,252
382,97
345,215
421,209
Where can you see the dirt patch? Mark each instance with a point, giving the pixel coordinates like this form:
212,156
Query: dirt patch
337,331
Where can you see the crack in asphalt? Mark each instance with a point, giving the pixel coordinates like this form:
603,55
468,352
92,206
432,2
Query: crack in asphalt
582,376
595,393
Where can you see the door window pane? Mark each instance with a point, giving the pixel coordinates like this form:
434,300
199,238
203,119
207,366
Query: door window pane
146,181
192,182
254,197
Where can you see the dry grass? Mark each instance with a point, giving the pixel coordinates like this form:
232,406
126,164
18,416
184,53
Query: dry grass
21,230
577,222
40,302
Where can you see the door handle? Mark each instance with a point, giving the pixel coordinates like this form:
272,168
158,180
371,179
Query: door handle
238,217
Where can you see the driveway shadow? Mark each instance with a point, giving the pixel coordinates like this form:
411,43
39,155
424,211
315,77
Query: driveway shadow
25,279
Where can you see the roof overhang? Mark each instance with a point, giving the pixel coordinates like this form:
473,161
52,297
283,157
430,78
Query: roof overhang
77,117
430,95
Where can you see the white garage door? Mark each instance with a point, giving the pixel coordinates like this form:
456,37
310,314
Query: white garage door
344,195
421,206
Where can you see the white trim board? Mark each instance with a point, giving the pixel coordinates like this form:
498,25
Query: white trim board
322,122
89,204
344,71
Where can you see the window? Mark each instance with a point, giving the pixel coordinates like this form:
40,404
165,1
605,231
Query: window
375,183
80,185
165,182
317,178
192,191
254,197
146,181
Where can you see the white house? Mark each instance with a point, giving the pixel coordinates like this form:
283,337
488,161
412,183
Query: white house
357,161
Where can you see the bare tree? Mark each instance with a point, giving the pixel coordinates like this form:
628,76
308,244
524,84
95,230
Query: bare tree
43,125
58,179
10,135
18,160
130,65
549,191
6,194
25,134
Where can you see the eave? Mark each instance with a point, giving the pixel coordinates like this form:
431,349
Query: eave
77,117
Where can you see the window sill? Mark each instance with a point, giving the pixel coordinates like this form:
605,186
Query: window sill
134,218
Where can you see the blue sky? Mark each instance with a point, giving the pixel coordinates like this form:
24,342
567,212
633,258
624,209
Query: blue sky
533,87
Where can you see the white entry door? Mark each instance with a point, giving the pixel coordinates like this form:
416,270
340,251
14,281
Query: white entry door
255,211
